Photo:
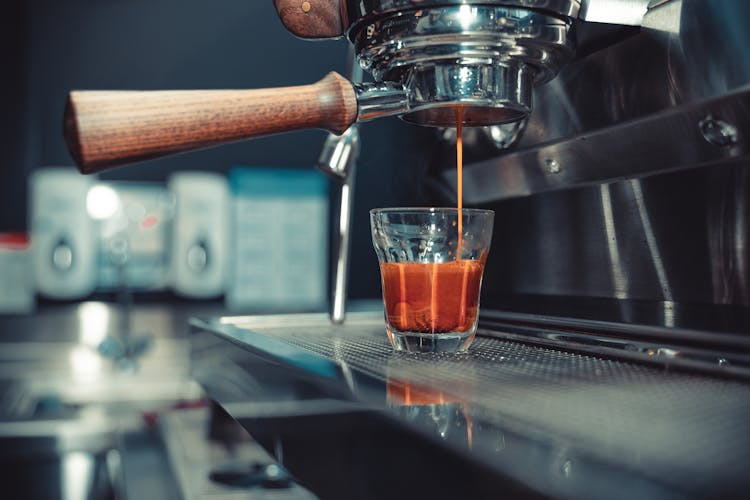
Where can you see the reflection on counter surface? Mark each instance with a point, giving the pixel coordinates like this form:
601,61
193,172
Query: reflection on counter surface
426,406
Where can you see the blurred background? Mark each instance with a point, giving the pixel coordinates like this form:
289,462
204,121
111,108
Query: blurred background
51,48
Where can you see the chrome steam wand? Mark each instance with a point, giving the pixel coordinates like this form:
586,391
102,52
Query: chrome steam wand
338,160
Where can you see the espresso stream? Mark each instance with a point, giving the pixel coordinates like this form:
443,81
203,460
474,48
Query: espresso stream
460,176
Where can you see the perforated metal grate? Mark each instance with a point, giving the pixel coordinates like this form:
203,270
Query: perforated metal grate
680,428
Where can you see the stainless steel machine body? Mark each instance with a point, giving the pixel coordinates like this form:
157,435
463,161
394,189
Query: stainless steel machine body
580,190
622,210
668,96
581,211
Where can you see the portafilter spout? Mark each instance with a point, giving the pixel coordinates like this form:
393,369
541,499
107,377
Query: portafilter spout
427,58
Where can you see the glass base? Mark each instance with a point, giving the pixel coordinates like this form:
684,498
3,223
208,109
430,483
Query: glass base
430,342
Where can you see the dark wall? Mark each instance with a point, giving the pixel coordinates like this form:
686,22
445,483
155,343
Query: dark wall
12,167
53,47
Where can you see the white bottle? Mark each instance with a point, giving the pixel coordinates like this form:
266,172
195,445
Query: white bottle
62,234
198,259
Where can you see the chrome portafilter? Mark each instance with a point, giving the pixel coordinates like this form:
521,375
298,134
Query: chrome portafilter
484,58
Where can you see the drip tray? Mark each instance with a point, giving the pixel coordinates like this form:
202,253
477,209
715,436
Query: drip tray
564,424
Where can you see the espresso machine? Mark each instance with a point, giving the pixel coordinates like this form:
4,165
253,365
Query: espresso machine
613,356
426,59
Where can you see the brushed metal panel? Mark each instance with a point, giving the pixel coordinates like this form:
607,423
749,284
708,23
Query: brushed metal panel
679,237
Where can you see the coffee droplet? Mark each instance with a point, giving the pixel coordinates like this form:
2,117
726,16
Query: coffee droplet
306,7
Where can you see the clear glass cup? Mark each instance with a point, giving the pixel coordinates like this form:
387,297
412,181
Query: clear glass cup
431,274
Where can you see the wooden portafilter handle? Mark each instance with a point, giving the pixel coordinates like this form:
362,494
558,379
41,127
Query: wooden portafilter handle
104,129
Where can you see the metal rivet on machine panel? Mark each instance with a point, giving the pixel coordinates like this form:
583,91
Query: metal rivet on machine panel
553,167
567,468
717,132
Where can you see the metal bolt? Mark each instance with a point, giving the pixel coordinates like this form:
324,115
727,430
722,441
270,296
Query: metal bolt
553,167
717,132
567,468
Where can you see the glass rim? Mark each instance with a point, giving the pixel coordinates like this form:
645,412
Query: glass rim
429,210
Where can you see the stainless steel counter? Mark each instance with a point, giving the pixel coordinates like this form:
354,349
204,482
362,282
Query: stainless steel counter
76,381
506,419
